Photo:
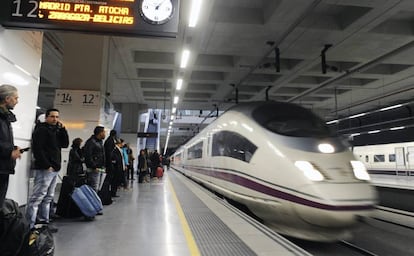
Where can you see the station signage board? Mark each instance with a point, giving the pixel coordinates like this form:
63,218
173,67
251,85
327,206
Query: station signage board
111,17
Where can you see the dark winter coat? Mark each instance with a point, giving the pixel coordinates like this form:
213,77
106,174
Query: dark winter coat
7,164
75,162
117,165
94,153
47,142
109,146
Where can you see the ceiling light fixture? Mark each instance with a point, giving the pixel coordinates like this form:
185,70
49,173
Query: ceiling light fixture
194,13
184,58
391,107
174,109
179,84
397,128
357,115
176,99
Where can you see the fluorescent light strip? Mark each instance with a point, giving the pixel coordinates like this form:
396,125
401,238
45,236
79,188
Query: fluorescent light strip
176,99
391,107
194,13
174,109
333,122
397,128
358,115
184,58
179,84
374,131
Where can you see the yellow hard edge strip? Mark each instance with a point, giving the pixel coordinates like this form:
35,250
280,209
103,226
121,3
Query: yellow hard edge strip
192,246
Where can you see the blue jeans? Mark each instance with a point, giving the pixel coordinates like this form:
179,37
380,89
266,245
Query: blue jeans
43,193
95,178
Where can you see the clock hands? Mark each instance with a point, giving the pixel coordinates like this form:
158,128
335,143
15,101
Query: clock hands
158,6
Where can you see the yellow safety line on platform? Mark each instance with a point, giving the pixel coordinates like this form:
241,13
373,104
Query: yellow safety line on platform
192,246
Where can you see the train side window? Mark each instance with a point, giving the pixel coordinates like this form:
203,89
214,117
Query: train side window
195,151
379,158
232,145
391,158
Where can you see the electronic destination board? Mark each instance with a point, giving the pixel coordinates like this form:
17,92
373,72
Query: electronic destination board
158,18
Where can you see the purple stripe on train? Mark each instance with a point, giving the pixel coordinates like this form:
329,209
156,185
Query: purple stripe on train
251,184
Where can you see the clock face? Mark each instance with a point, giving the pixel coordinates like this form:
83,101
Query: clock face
156,11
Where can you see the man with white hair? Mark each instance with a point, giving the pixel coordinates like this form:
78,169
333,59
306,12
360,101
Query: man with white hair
8,151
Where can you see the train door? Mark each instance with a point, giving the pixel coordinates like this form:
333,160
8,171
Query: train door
400,160
410,158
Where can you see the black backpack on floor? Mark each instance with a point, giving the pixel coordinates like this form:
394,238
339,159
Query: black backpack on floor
14,230
41,242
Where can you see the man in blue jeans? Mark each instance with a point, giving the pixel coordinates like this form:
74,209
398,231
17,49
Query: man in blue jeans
94,153
47,141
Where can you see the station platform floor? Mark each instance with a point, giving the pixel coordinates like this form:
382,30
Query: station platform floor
169,217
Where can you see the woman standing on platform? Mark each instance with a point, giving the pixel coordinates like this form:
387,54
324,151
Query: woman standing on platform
76,159
142,166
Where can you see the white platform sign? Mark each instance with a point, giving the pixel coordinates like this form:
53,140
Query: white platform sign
77,105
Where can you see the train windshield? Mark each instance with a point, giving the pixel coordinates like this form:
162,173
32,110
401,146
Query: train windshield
291,120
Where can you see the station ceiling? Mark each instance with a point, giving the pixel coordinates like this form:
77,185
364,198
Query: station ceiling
368,48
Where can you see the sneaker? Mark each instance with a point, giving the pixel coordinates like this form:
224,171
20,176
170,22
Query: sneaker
99,213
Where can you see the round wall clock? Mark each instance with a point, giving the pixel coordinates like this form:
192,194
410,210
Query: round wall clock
156,11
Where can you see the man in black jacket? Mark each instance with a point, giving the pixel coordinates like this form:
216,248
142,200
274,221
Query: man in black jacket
8,151
94,153
47,141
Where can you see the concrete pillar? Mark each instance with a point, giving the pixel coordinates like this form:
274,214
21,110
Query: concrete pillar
81,97
130,115
85,62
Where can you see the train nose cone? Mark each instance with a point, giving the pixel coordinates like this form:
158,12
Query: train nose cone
326,218
336,205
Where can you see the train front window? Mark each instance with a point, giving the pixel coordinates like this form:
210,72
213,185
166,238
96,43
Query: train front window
291,120
234,145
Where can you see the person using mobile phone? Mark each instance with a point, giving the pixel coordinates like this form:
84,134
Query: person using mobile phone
47,141
8,151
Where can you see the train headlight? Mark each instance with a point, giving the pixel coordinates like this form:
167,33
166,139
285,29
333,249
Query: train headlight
309,170
326,148
360,171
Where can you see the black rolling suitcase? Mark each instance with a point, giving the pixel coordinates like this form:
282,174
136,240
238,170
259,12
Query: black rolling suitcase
105,193
66,207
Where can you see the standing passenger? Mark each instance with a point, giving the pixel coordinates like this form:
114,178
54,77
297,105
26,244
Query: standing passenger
131,158
109,146
8,151
95,157
48,139
117,168
155,162
76,159
142,166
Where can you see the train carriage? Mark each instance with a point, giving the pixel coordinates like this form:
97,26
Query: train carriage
282,162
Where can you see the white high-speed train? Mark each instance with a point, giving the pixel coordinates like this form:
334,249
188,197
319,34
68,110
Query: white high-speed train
389,159
280,160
